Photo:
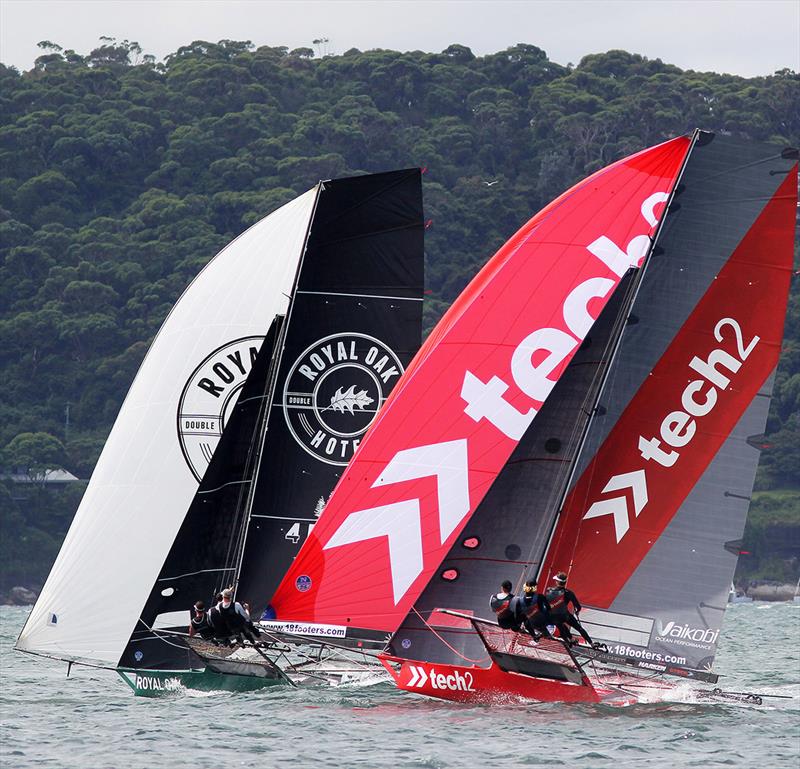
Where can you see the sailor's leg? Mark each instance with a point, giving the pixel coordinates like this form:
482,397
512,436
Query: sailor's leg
572,621
532,628
562,628
540,625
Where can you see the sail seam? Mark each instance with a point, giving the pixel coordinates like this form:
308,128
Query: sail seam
229,483
364,296
192,573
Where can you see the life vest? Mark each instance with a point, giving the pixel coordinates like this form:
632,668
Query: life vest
500,606
199,620
524,605
556,597
230,616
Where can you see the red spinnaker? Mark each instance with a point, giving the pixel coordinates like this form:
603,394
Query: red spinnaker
467,398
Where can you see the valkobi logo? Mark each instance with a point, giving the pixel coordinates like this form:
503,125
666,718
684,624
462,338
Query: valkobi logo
704,637
208,399
334,390
677,429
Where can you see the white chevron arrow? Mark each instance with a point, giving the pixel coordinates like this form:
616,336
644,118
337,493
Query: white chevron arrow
400,522
418,677
618,506
448,462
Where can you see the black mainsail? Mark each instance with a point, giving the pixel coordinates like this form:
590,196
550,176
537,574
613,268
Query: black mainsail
314,388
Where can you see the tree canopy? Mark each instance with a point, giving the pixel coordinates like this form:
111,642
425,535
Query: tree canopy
121,177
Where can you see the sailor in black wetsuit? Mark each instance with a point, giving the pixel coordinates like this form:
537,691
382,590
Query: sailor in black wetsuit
532,610
230,618
560,598
198,622
500,603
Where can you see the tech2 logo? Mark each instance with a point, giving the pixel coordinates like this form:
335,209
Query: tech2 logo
334,390
208,398
455,681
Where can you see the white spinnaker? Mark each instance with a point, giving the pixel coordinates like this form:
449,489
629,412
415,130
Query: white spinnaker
142,486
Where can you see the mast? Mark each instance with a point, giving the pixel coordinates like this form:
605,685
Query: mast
270,390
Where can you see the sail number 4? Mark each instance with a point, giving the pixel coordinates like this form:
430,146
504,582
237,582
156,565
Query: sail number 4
294,534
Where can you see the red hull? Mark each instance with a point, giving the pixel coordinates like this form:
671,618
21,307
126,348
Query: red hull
492,685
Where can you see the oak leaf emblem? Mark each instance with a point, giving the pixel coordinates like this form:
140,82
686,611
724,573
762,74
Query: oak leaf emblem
349,400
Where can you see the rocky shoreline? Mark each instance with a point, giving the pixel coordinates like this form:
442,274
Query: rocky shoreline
771,591
19,596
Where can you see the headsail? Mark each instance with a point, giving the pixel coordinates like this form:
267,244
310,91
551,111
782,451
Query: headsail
148,471
648,532
353,324
469,396
203,558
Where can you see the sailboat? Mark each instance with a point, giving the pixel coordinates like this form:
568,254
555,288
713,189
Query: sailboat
593,402
250,402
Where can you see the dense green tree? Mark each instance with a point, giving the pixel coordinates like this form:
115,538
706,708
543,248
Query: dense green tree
120,178
34,454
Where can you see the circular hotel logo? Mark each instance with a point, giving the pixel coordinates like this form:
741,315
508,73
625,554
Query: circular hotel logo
208,399
334,390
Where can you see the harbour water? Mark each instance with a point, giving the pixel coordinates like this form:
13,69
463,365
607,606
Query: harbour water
91,720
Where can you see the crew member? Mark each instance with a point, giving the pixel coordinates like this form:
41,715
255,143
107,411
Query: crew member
532,610
230,618
198,622
560,598
500,604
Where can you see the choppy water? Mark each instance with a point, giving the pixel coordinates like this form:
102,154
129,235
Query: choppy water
92,720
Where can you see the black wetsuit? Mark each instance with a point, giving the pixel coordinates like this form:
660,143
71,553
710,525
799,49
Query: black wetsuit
533,611
231,620
199,624
560,598
501,607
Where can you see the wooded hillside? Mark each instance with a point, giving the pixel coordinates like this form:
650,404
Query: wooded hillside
121,177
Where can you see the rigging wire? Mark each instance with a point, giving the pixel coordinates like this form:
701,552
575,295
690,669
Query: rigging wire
452,648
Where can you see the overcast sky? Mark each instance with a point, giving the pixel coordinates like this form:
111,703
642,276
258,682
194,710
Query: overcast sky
744,37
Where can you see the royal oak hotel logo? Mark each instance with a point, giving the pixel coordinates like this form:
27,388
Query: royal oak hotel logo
208,399
334,390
